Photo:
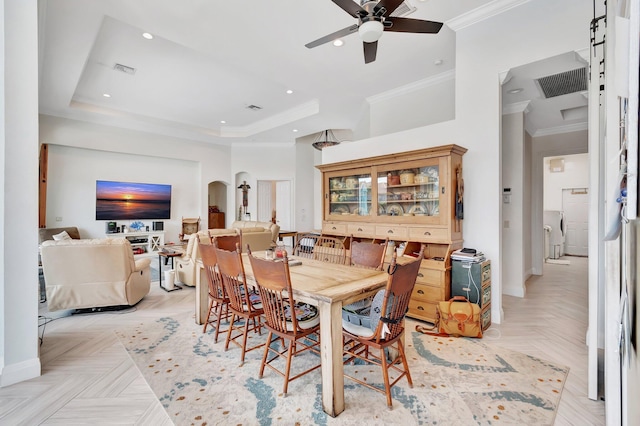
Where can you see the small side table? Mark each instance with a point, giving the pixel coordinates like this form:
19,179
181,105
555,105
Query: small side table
292,234
167,255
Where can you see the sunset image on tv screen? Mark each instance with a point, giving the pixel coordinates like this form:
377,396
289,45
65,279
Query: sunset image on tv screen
132,201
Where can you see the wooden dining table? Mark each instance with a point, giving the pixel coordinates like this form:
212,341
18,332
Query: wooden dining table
328,287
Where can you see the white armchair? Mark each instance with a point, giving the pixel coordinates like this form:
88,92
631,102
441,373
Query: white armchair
93,273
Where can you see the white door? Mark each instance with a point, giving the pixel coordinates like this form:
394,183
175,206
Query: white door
575,204
265,205
283,204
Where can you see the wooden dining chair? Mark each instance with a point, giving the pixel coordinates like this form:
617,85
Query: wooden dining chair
244,302
300,331
228,242
218,299
386,327
367,254
320,247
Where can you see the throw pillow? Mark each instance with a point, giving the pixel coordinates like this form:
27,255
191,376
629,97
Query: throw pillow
62,236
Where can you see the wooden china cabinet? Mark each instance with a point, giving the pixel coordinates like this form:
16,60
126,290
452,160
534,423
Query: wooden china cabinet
409,197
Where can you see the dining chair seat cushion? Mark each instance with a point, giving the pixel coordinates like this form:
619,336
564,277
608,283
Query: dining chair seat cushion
307,316
357,330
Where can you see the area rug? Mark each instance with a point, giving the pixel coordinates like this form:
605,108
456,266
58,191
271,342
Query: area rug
456,381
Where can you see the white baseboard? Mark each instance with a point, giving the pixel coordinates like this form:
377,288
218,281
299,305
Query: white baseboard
15,373
514,291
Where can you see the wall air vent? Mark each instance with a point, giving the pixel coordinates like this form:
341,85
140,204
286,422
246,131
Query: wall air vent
125,69
254,107
563,83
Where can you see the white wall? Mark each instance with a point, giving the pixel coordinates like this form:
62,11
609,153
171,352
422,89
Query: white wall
110,153
408,107
513,160
263,162
72,187
19,191
484,50
575,175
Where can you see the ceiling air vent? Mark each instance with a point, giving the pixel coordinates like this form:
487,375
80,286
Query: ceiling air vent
125,69
254,107
404,9
563,83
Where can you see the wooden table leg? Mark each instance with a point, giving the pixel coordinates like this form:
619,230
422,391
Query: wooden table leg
331,356
202,295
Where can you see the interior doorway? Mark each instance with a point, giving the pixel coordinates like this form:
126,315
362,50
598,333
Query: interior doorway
217,205
275,203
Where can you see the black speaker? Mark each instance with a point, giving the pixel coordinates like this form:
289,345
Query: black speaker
158,226
111,228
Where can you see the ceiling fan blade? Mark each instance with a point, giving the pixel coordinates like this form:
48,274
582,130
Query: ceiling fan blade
370,50
389,5
351,7
408,25
333,36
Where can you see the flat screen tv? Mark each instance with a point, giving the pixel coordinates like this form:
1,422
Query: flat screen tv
132,201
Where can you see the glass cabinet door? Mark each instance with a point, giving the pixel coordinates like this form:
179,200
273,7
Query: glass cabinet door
410,192
349,194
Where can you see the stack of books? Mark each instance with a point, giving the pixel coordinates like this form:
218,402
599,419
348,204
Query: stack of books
468,255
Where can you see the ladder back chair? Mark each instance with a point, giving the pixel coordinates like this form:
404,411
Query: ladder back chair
244,302
218,299
367,254
299,330
386,327
227,242
319,247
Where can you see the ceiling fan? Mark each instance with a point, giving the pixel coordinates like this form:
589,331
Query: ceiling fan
374,18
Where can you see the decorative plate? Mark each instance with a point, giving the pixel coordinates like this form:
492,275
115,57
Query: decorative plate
340,209
418,208
395,210
381,210
364,212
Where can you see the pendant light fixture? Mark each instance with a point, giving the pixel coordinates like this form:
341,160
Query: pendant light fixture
325,138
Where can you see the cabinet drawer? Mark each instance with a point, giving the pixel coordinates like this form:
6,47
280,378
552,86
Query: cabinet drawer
485,317
422,310
425,234
361,230
427,293
393,232
486,295
334,229
430,276
486,271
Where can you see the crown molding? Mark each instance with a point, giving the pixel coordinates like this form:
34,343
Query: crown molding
561,129
516,107
481,13
413,87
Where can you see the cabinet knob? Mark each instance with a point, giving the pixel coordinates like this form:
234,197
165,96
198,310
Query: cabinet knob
421,276
333,227
390,231
427,233
443,189
359,229
420,308
420,292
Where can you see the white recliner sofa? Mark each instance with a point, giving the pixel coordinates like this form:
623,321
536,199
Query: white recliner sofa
259,236
93,273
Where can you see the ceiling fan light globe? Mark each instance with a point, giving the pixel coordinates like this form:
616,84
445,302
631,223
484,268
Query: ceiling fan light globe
371,31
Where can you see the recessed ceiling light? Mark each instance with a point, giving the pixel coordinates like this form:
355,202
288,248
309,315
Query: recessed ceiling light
437,62
106,95
338,42
295,130
148,36
289,92
514,91
223,122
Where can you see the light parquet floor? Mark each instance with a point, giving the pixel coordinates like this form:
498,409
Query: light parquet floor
88,378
